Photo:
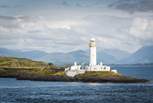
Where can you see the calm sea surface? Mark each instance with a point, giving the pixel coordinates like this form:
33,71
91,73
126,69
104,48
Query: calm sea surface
14,91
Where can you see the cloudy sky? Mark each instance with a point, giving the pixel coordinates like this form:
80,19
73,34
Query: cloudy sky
67,25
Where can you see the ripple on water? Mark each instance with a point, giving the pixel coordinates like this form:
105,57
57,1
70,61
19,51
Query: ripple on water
61,92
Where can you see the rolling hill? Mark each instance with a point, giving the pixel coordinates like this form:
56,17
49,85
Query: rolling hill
13,62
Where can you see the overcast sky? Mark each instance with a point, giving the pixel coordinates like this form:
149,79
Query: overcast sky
67,25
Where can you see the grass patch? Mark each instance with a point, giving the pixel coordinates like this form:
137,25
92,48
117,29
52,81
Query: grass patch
99,74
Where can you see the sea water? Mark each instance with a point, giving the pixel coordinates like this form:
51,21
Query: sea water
24,91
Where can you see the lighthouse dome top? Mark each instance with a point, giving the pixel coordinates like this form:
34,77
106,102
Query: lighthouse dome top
92,39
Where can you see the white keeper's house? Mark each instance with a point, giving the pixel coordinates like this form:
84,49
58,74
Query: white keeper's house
93,66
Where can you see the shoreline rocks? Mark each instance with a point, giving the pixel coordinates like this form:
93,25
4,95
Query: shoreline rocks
79,78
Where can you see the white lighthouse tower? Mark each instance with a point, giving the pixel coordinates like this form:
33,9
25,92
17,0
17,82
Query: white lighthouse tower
93,66
92,46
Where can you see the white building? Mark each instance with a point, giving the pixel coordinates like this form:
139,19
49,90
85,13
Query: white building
93,66
74,70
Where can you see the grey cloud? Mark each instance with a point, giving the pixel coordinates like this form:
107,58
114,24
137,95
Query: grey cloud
7,17
87,3
116,31
38,39
71,26
9,6
4,6
16,23
134,5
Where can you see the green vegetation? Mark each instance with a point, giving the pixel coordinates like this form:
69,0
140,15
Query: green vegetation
107,77
28,69
12,67
101,74
20,63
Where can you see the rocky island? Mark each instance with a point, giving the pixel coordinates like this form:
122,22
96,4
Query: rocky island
26,69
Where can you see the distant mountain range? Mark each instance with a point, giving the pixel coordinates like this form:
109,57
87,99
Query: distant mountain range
141,56
107,56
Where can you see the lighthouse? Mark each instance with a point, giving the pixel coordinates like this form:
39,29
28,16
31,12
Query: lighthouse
93,66
92,46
